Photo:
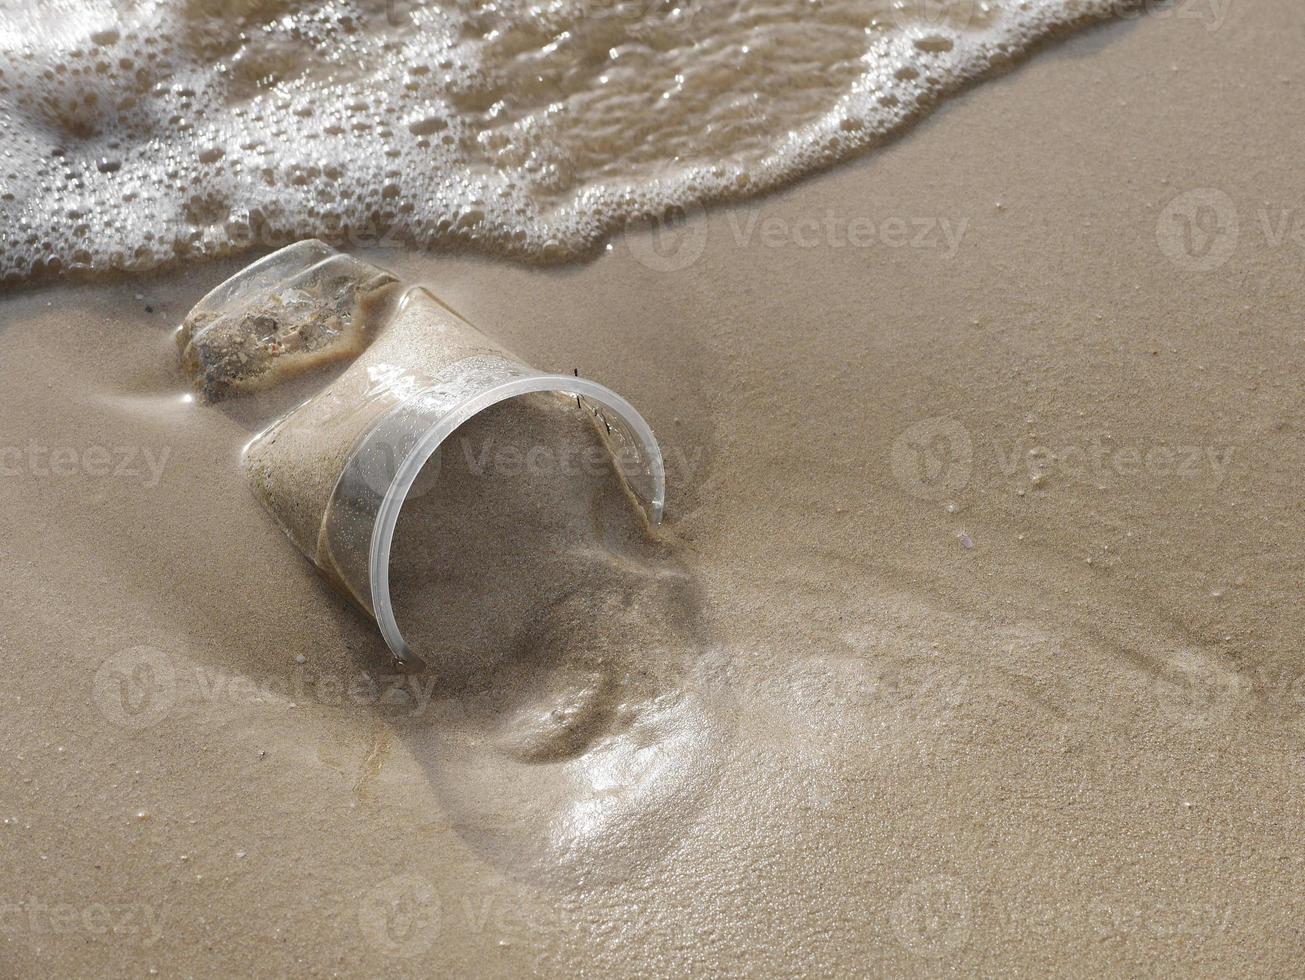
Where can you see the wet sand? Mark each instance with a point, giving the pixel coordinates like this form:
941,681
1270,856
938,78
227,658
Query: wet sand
990,519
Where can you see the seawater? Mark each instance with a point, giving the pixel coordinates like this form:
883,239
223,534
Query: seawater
134,133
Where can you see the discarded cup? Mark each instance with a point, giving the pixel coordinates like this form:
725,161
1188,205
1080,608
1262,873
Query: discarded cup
294,311
335,471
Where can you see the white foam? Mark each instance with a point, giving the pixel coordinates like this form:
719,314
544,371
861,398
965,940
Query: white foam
133,135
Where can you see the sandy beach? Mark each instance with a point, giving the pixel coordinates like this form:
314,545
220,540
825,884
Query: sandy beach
982,651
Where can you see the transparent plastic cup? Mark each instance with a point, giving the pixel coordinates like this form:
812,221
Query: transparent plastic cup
295,311
335,471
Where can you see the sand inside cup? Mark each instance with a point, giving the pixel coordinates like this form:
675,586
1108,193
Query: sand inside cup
295,464
524,574
521,509
568,648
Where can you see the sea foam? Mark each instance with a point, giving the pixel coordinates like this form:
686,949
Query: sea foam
136,133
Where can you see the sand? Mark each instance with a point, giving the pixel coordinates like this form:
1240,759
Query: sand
993,552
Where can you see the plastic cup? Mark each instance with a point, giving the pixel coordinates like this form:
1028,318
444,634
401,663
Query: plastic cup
335,471
299,309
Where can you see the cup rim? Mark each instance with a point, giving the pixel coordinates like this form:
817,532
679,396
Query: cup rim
387,515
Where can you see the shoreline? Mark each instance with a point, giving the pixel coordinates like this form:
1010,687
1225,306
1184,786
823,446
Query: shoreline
961,700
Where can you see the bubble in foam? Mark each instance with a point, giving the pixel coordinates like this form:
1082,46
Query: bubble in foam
131,135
